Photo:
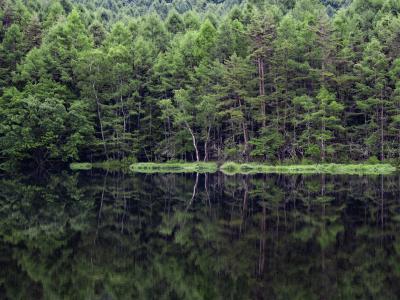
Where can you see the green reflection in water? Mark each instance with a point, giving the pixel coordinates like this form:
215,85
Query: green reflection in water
199,236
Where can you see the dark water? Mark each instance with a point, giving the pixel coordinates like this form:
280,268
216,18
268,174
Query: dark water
114,236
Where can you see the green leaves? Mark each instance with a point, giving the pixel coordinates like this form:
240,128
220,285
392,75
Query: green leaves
320,121
273,80
40,126
267,144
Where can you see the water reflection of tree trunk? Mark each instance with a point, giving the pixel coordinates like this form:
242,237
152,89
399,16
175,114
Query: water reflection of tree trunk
194,191
206,189
323,217
263,225
101,204
245,199
125,203
382,209
295,215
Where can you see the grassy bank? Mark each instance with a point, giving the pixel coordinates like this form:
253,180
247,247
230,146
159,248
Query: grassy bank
253,168
108,165
80,166
175,167
237,168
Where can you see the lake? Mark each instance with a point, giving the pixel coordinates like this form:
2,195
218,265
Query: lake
99,235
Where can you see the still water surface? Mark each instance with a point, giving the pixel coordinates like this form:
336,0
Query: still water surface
96,235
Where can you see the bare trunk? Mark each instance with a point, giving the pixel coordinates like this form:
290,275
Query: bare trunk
246,138
323,140
244,128
99,115
194,141
262,89
206,144
123,106
100,121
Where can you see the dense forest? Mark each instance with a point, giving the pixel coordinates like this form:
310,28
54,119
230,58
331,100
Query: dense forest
266,80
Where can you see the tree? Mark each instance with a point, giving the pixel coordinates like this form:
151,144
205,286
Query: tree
12,50
236,91
262,33
320,121
33,33
205,41
231,39
372,94
174,23
58,52
38,125
98,33
182,111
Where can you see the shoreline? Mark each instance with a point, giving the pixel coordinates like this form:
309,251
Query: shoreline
232,168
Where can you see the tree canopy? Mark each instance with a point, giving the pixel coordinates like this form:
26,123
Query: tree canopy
199,80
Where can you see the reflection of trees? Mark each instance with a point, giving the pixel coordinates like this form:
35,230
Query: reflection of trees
38,223
186,236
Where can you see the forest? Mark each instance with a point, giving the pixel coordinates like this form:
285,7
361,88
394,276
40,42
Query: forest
151,81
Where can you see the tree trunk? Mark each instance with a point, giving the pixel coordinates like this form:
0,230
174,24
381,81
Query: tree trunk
206,144
244,128
245,138
100,121
262,89
194,142
323,142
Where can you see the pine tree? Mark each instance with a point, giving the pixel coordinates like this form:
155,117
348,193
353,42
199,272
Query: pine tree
372,98
12,50
320,120
236,92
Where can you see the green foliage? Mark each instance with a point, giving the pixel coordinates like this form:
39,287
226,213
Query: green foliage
213,80
42,127
267,145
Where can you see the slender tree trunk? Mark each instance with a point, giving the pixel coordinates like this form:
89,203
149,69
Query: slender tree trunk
99,114
205,151
261,76
122,154
194,142
245,137
206,144
100,120
245,131
123,107
382,136
323,142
